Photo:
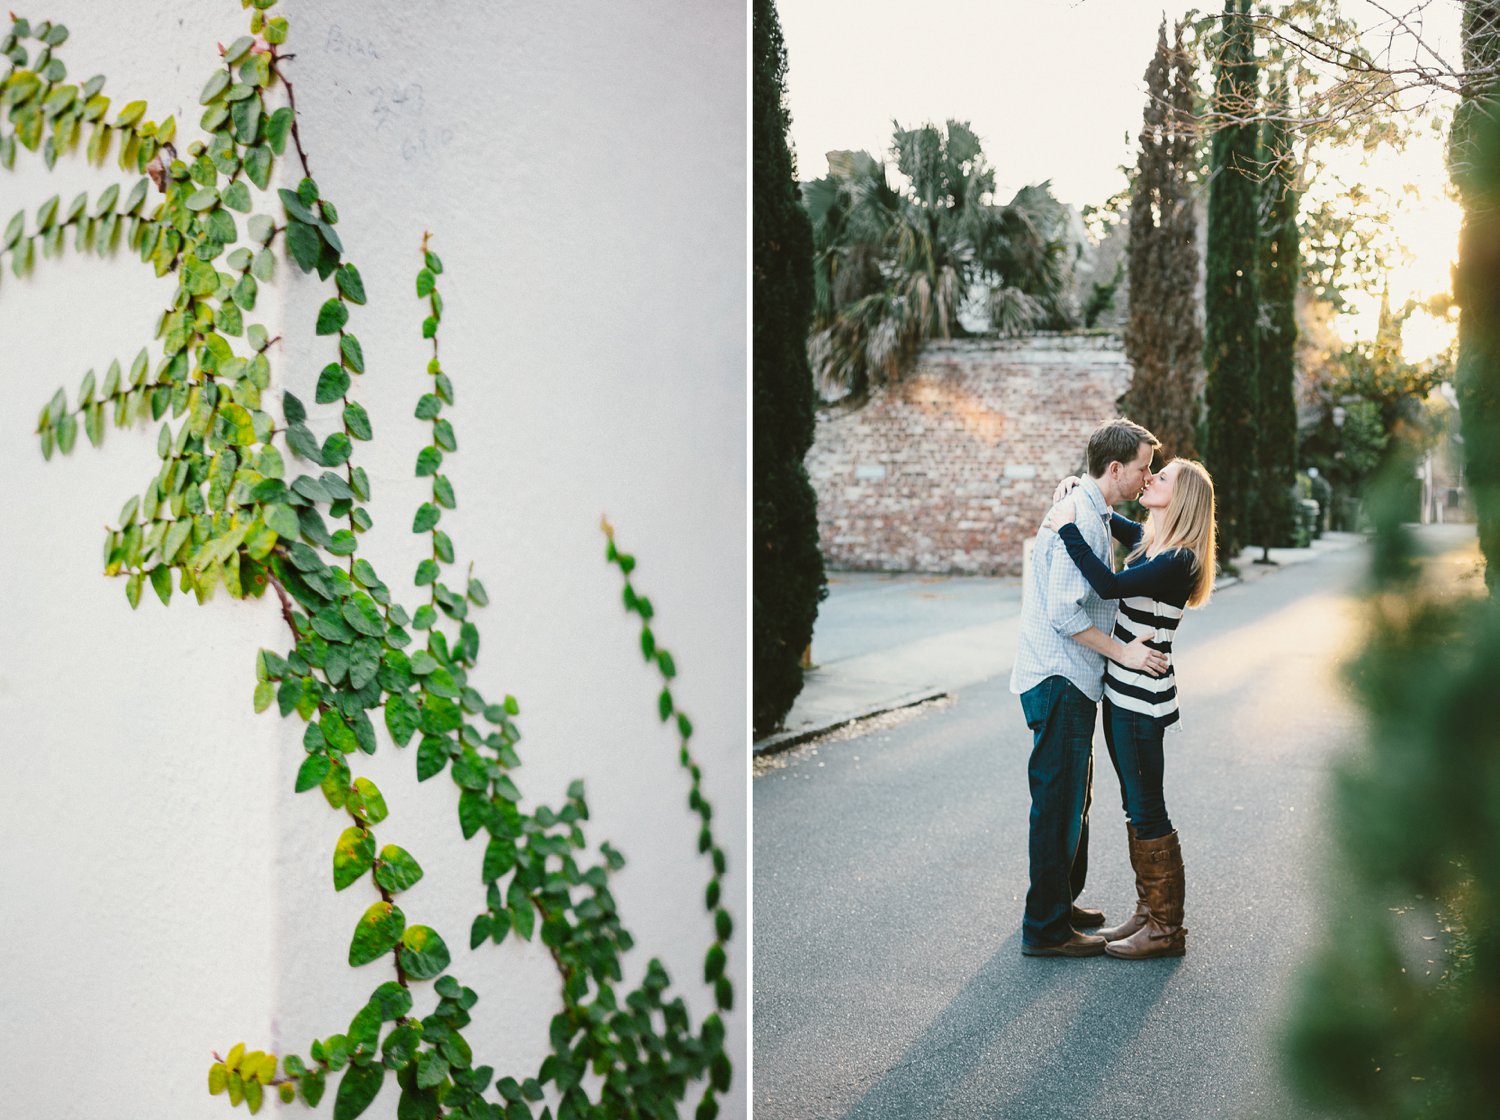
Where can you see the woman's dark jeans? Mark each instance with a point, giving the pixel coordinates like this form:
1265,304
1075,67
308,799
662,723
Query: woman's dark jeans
1135,747
1061,774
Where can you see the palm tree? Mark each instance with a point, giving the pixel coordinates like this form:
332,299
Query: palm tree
895,265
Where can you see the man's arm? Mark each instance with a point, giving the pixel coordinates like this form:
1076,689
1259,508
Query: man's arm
1067,590
1137,656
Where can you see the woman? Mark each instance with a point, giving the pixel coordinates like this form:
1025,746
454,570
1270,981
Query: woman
1170,567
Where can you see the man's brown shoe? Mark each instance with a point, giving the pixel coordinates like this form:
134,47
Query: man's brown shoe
1079,945
1086,918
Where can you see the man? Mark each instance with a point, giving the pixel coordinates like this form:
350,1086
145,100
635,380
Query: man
1066,633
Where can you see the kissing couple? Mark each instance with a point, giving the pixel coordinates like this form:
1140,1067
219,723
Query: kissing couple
1090,632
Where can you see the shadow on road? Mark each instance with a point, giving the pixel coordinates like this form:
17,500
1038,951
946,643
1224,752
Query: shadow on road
1067,1016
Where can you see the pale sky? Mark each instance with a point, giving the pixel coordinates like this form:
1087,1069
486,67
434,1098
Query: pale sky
1054,89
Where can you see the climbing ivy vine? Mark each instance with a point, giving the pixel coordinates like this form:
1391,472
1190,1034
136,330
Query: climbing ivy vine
253,505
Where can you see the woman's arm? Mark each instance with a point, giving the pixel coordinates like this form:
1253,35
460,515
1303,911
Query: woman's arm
1126,531
1168,576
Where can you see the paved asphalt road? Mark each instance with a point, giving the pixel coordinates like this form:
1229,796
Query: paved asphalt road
890,870
870,612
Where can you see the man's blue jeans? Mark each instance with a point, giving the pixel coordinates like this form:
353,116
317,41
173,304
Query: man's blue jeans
1061,774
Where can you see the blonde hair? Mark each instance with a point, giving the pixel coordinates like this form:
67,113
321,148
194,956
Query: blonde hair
1187,522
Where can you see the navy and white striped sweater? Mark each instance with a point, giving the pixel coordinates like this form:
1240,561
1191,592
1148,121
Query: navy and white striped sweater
1153,594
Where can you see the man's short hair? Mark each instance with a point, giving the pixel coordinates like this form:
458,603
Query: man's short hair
1118,440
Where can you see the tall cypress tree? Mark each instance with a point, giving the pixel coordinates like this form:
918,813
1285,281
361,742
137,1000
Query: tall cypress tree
1162,337
1182,307
788,568
1231,351
1272,520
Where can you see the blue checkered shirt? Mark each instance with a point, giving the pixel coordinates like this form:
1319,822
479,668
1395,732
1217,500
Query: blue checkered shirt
1057,602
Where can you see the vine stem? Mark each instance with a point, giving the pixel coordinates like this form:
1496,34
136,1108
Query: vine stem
291,96
286,613
286,604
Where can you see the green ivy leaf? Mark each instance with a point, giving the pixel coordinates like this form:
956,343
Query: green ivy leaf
332,316
423,953
260,228
397,870
329,623
336,449
217,83
161,583
432,756
350,283
245,114
357,420
304,244
312,1087
499,857
363,615
236,196
258,167
479,931
352,856
713,963
311,773
364,1028
357,1090
426,518
401,1044
278,125
336,732
417,1101
473,811
522,913
377,933
425,283
374,804
391,1000
428,461
333,383
353,353
432,1069
401,718
282,519
303,443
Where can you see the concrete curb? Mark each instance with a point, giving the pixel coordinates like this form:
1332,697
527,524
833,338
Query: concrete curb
785,740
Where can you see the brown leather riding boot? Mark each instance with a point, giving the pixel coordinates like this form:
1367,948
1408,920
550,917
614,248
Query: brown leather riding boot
1161,873
1137,919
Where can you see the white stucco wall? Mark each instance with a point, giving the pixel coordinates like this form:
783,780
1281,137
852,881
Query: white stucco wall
582,169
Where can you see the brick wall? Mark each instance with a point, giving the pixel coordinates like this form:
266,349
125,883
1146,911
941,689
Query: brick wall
952,468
